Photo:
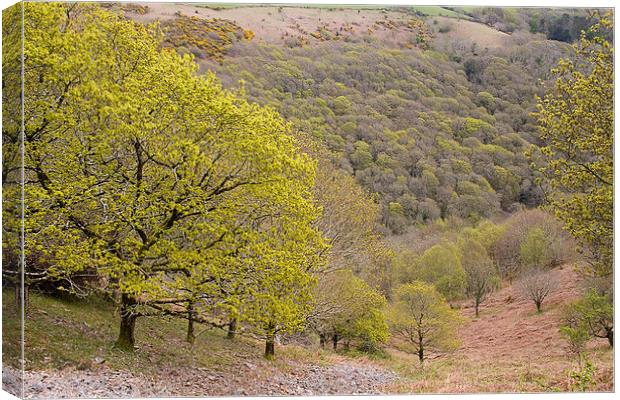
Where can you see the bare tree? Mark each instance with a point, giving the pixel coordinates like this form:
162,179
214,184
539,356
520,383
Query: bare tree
482,277
536,285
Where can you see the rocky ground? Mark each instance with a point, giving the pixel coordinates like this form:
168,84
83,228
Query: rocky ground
339,378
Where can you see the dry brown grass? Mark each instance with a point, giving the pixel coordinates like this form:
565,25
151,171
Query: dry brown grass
509,348
472,32
280,24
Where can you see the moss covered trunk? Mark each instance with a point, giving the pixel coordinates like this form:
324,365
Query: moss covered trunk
126,337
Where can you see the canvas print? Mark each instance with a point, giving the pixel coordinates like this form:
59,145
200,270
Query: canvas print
225,199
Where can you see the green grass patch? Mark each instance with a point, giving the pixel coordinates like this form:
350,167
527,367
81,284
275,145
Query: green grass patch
434,11
223,6
11,329
70,333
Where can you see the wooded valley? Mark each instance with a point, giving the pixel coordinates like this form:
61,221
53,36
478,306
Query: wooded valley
306,200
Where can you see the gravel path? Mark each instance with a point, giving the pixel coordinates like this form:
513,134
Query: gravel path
94,384
341,378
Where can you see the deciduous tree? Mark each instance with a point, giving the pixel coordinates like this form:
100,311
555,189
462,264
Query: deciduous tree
482,277
594,313
347,308
153,175
576,121
536,285
441,266
421,316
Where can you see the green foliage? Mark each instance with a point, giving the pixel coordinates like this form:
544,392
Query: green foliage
407,123
349,213
485,233
486,100
341,105
348,307
592,313
396,218
169,187
577,124
361,158
421,316
441,266
371,329
582,378
576,338
12,24
482,276
531,239
533,249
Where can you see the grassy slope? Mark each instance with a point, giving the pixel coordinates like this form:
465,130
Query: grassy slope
426,10
509,348
436,11
69,334
275,24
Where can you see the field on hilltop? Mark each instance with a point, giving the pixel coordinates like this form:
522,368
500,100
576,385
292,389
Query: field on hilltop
277,24
475,32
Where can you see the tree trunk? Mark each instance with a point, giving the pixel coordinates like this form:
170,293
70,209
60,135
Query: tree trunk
270,348
18,298
322,340
270,345
476,307
126,338
335,339
610,336
232,328
421,348
26,298
538,307
190,323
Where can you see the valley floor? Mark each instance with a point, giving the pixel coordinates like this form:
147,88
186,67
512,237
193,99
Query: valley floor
509,348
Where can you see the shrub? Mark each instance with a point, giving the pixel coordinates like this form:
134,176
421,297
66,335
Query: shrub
534,249
582,378
441,266
593,312
576,338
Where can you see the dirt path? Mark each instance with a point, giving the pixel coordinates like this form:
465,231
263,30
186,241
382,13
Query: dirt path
342,377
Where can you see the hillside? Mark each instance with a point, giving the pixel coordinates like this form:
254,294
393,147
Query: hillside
307,200
509,348
430,112
279,24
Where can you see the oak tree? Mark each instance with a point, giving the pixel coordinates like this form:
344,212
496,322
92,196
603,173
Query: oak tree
149,173
422,316
576,121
